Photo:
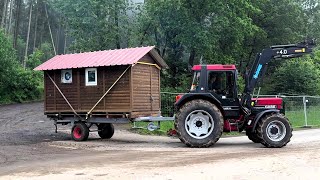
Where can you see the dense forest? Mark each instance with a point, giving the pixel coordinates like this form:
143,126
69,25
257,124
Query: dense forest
185,32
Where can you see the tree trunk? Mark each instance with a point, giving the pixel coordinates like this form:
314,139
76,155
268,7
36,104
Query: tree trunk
27,43
192,56
9,26
41,33
58,38
4,13
145,32
17,24
116,19
53,46
65,43
35,27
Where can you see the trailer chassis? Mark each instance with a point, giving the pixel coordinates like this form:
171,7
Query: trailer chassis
81,126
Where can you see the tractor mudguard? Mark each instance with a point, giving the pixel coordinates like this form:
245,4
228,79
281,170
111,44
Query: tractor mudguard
260,115
190,96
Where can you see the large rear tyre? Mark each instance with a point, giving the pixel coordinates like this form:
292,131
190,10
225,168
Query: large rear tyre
274,130
105,130
253,136
80,132
199,123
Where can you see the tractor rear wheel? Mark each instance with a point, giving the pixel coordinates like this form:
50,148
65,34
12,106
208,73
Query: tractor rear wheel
274,130
105,130
253,136
199,123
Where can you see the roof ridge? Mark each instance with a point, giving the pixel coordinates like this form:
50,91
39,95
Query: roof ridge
86,52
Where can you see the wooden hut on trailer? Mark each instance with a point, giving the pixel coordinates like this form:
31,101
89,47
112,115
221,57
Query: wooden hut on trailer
112,83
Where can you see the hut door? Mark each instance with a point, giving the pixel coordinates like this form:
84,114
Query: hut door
151,93
154,88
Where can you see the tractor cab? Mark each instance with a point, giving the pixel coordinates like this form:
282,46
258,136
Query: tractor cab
219,80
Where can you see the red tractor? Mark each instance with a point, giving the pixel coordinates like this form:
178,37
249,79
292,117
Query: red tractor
213,106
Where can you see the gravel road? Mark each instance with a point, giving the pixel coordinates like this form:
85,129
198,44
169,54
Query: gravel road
29,148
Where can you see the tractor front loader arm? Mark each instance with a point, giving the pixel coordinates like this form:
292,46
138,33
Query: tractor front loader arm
275,52
262,59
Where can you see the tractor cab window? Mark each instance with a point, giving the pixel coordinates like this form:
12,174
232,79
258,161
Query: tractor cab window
195,81
230,84
216,82
221,83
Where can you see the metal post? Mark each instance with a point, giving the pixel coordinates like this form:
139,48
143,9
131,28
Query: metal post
305,111
134,125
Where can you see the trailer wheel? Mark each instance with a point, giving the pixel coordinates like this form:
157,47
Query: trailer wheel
253,136
199,123
80,132
274,130
105,130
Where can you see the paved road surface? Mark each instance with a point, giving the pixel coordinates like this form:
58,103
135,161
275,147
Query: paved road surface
29,148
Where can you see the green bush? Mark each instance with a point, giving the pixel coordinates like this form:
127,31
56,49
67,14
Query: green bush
26,86
34,59
17,84
296,76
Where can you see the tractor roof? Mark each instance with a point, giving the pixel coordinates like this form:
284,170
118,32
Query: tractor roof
215,67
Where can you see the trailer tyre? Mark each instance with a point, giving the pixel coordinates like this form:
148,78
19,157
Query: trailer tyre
80,132
253,136
199,123
274,130
105,130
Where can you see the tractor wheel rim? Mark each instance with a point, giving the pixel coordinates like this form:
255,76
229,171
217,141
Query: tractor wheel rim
276,130
199,124
77,132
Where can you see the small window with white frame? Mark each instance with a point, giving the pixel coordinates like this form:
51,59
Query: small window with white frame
91,76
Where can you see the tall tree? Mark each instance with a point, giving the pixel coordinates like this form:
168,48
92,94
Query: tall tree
10,17
93,24
17,23
312,11
35,26
50,31
28,36
188,30
4,13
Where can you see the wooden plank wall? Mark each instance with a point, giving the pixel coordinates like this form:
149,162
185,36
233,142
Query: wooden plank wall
54,100
50,104
83,97
146,89
119,97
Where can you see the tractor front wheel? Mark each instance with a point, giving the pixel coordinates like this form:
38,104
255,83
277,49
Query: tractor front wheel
274,130
199,123
253,136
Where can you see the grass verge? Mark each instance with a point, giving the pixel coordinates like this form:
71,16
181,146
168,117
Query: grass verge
297,118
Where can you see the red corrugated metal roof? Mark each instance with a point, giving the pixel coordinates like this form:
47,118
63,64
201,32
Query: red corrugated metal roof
100,58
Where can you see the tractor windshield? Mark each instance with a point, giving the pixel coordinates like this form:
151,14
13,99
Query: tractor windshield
195,81
221,83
